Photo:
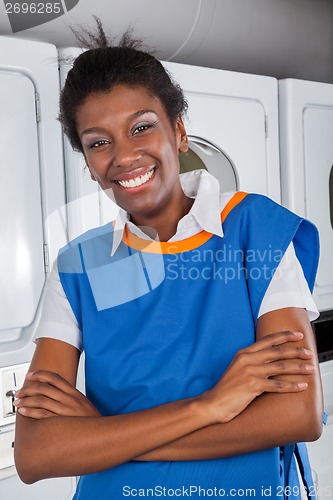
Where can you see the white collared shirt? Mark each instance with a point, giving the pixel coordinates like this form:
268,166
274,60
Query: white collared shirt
289,290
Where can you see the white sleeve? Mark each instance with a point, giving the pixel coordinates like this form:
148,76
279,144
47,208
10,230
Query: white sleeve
288,287
58,320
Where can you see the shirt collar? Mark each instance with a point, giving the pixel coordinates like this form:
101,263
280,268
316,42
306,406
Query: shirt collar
205,188
197,184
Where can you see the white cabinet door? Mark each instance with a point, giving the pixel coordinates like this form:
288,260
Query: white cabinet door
306,131
31,188
237,114
31,194
21,222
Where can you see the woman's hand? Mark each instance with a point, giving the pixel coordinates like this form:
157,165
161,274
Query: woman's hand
47,394
251,371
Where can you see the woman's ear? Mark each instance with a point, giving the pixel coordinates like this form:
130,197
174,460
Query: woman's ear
182,139
91,175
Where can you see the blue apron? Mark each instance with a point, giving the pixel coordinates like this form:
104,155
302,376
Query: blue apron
160,326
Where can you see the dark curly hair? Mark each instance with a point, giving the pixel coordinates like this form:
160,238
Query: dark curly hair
101,67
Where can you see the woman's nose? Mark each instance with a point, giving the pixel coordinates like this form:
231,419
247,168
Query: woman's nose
125,154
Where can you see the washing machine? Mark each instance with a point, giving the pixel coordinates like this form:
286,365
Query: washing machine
306,149
31,188
232,124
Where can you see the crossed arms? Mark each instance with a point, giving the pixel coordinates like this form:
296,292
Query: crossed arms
269,396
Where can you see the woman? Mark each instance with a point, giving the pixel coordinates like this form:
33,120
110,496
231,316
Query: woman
201,371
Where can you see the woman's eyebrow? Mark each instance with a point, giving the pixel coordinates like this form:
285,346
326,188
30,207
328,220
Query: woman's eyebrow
92,130
141,112
133,116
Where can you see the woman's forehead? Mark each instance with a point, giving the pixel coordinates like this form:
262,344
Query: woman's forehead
124,95
122,102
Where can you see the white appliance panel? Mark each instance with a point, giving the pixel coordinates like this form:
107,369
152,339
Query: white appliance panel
220,131
318,152
306,146
32,193
238,114
306,149
32,186
21,252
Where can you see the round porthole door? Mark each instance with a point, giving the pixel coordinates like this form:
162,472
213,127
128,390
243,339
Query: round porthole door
205,155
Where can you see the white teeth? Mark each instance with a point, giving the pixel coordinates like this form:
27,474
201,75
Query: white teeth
137,181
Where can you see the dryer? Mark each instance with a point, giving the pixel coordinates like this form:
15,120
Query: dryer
306,149
31,188
232,125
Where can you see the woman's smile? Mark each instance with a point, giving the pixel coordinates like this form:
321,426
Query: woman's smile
136,178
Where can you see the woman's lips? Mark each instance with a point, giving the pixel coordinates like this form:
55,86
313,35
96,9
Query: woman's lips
134,179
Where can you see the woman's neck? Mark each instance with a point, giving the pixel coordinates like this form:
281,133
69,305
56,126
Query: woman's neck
164,224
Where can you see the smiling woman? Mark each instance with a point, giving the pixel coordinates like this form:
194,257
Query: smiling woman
200,369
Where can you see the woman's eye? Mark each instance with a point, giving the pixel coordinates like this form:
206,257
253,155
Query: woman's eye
98,143
142,128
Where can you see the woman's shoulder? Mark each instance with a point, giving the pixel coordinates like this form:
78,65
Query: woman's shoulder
252,203
244,202
90,234
70,256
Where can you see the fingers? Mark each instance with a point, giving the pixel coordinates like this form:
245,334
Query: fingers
285,368
43,389
281,386
272,354
276,369
51,378
43,396
269,357
47,394
36,413
272,348
275,339
251,373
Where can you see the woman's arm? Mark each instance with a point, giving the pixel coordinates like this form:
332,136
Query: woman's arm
271,419
53,438
65,445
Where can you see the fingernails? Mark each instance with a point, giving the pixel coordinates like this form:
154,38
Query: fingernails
308,352
29,374
302,385
22,410
16,402
299,335
310,368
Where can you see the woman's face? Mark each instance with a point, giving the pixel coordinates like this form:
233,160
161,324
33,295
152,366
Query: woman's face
130,146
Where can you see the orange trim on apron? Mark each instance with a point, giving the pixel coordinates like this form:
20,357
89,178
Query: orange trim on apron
171,247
